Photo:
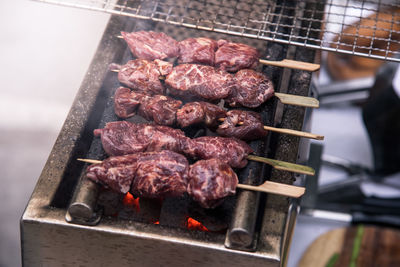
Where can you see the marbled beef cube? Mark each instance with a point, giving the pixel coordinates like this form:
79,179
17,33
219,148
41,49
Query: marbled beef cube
151,45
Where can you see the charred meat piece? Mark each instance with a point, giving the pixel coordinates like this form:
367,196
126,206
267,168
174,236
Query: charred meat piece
146,174
199,112
143,75
126,102
241,124
199,80
235,56
251,90
151,45
229,150
160,109
116,173
160,174
122,137
197,50
210,181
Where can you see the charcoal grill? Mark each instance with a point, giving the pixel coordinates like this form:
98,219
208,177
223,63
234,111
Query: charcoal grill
70,221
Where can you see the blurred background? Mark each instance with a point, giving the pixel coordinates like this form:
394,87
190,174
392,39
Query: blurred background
45,51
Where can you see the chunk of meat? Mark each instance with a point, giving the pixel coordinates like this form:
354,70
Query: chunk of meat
229,150
199,112
146,174
151,45
161,174
210,181
115,173
126,102
122,137
160,109
144,75
235,56
251,90
202,81
197,50
241,124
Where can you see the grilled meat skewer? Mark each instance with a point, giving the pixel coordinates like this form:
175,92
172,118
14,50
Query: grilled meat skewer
122,137
166,173
246,88
222,54
164,110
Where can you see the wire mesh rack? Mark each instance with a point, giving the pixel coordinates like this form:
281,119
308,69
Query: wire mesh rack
363,28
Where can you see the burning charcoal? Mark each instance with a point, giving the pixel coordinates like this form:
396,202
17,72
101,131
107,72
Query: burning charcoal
174,212
140,209
110,201
215,220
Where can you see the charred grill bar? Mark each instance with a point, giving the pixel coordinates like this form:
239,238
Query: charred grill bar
105,228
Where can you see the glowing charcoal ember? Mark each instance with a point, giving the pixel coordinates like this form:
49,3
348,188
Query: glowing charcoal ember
131,201
194,225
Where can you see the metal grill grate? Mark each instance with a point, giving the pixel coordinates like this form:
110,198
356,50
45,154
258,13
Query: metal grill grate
363,28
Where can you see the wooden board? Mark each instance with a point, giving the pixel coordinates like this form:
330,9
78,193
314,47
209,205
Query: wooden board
354,246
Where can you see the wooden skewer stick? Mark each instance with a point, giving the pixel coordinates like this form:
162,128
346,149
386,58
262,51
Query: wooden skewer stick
292,64
266,187
91,161
283,165
296,100
276,188
277,164
288,131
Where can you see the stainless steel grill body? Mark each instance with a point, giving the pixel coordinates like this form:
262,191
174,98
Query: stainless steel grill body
49,240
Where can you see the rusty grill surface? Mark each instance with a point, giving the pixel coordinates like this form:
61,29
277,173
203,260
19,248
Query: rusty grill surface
263,20
249,228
